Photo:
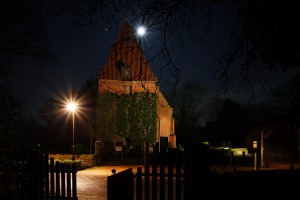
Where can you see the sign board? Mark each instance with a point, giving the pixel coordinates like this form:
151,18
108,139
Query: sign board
254,144
118,148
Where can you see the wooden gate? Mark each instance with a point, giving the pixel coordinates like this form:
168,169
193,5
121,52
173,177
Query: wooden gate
121,185
163,179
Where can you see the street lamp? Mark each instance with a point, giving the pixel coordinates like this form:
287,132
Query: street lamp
71,107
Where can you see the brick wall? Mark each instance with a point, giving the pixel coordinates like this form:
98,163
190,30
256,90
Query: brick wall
119,86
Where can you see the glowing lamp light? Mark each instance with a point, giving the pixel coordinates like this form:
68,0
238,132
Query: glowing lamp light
71,106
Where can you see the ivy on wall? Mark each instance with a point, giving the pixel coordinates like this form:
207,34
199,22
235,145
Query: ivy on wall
105,117
133,116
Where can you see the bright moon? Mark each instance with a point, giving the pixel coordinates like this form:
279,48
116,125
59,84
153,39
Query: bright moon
141,31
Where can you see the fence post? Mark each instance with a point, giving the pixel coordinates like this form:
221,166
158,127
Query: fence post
68,169
162,179
46,175
139,184
154,181
109,188
52,177
178,176
63,180
170,179
57,182
147,183
74,186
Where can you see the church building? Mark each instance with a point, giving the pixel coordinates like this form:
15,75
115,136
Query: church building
126,71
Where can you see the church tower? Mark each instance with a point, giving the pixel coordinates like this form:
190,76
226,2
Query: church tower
126,71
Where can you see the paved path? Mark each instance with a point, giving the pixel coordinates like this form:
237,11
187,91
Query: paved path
92,182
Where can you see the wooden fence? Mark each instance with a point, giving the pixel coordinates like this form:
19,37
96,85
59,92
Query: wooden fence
61,183
22,173
165,184
163,179
27,174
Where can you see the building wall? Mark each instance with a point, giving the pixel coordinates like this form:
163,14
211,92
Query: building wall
166,120
164,111
121,87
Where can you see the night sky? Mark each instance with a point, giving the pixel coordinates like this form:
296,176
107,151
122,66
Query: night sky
82,51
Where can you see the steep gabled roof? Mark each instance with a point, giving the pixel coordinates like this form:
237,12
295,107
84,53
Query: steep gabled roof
126,50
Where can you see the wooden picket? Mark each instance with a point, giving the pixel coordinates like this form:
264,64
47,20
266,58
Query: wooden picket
62,182
154,182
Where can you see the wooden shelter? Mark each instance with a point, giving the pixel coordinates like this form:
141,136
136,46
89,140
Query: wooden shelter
278,139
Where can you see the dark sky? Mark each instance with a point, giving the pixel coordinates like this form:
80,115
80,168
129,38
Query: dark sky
82,51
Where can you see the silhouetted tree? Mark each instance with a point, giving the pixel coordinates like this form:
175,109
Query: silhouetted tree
53,117
21,38
286,97
10,113
189,102
232,123
88,97
264,38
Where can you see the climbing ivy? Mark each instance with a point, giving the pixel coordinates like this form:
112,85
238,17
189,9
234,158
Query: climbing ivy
130,115
106,116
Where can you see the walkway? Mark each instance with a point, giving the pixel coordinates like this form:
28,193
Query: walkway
92,182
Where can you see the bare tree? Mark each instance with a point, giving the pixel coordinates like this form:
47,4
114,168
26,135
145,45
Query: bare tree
21,33
263,34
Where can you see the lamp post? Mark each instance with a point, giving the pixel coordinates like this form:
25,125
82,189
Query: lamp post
71,107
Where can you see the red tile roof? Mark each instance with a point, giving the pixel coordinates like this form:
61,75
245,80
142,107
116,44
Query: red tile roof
127,50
